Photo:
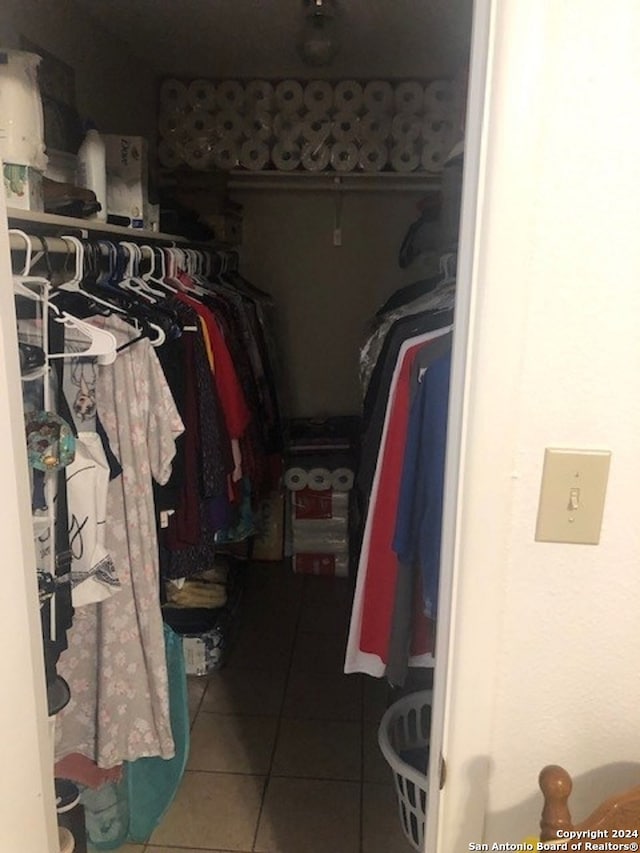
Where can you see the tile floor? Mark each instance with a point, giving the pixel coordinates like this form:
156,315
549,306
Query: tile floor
284,756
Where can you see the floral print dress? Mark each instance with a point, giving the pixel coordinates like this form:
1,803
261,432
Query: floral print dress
115,664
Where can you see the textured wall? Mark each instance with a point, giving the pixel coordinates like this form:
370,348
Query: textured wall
546,635
325,295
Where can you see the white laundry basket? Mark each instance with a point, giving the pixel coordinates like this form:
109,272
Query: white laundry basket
406,726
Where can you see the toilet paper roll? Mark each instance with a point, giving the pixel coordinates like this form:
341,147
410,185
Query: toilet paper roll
289,96
405,158
345,126
202,94
373,156
316,127
230,95
375,127
319,479
254,154
438,98
378,96
286,156
169,153
409,97
259,125
437,130
174,96
342,479
433,155
322,506
287,127
344,156
198,154
170,123
296,479
225,155
348,95
318,96
229,125
315,156
200,124
406,128
259,93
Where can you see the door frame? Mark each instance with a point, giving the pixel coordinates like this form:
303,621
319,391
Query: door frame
466,317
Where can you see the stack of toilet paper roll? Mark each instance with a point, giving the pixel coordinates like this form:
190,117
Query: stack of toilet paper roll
319,499
313,126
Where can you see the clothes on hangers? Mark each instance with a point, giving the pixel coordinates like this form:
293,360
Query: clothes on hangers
119,708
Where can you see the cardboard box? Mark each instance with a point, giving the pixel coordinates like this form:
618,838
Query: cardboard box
128,178
23,187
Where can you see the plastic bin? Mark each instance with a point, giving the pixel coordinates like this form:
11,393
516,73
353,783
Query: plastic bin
403,735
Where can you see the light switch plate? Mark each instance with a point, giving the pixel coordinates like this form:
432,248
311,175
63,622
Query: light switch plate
574,484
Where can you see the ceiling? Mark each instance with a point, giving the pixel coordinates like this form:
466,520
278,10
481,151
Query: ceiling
246,38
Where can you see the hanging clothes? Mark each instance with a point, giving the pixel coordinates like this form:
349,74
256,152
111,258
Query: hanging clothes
119,710
373,607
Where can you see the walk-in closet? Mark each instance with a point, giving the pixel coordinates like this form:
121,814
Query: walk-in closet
233,232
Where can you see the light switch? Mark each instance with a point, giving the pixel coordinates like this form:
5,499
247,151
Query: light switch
574,484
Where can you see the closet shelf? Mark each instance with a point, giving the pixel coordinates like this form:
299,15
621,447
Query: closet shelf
418,182
46,221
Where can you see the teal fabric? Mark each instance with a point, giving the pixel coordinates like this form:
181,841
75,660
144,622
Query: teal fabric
152,783
131,809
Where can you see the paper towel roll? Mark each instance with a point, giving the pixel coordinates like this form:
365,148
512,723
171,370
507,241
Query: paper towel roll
202,94
378,96
373,156
254,154
174,95
230,95
342,479
295,479
433,155
319,479
198,153
348,95
405,158
259,93
406,128
315,156
287,127
21,113
318,96
169,123
316,127
286,156
438,98
344,156
169,153
345,126
229,124
289,96
409,97
200,124
375,127
259,125
225,154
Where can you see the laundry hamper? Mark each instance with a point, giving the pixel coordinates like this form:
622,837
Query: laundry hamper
403,737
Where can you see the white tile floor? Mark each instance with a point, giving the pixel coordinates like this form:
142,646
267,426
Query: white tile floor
284,756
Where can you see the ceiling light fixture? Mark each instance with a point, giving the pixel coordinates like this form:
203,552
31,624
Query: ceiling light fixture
318,42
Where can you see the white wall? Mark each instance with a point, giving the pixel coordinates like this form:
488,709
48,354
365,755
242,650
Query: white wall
114,88
325,295
545,636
